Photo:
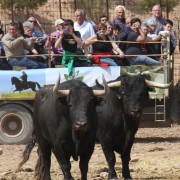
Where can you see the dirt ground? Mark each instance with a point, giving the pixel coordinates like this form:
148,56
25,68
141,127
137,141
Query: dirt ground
155,155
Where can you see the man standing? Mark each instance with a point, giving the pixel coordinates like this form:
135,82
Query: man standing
157,17
120,20
84,27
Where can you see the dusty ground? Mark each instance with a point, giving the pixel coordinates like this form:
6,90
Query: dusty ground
155,155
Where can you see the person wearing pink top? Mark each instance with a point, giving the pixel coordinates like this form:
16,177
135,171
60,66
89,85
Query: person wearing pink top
50,43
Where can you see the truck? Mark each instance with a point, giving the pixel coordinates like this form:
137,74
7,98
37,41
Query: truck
17,97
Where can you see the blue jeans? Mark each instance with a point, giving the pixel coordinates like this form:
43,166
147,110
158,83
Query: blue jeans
27,62
108,61
143,60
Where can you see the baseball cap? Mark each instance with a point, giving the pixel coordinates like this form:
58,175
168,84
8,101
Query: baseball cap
58,21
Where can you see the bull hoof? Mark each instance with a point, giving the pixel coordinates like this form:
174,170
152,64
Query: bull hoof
114,178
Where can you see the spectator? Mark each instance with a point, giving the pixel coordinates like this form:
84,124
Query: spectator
69,39
137,35
59,25
38,30
152,28
152,36
85,28
27,35
167,31
109,30
103,19
92,23
36,47
120,19
116,33
101,48
15,45
3,62
128,22
157,17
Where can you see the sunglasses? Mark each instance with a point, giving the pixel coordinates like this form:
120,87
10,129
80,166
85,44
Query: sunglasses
101,29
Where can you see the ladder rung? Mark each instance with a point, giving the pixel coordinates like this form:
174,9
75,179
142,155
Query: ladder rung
160,120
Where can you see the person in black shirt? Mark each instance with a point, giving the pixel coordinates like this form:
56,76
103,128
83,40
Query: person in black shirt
70,40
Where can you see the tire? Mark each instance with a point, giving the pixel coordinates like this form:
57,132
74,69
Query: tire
16,125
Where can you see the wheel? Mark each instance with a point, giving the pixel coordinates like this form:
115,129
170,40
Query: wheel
16,125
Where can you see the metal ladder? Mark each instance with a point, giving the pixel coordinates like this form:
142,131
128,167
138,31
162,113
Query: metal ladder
160,110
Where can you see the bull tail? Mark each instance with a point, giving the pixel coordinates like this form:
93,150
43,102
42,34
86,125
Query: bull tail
26,154
38,85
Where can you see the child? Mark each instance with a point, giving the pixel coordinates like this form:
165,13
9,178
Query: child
167,29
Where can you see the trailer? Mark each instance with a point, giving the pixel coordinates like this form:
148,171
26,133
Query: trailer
17,97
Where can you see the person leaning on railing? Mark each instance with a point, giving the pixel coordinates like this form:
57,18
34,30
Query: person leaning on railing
3,62
103,47
70,39
134,52
15,45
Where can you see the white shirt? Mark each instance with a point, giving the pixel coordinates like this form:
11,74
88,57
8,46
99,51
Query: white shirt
86,30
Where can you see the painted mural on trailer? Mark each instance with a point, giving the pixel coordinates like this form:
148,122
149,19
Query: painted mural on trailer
24,84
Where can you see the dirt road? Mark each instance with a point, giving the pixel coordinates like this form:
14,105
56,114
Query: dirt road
155,155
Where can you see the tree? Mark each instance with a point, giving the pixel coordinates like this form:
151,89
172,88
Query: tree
166,5
21,5
31,4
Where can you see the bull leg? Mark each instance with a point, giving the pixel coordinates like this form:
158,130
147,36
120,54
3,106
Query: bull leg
64,162
44,163
125,156
110,158
84,160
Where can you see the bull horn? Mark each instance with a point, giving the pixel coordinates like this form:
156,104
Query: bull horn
104,91
157,85
61,93
115,84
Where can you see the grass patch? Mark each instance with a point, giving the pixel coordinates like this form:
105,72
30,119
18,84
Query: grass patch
17,95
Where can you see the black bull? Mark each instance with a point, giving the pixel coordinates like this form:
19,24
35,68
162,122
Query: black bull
65,122
118,119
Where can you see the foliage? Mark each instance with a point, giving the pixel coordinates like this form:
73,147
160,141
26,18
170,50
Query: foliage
146,5
21,4
94,9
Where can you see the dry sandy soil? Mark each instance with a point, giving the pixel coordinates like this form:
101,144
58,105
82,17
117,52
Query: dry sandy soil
155,155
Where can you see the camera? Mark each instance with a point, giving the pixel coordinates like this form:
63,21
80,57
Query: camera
65,30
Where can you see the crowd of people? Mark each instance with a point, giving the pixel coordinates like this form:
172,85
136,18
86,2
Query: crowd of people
82,43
